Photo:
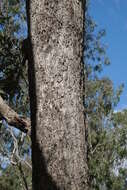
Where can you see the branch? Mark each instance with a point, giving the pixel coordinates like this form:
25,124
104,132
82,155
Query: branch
13,119
16,151
23,176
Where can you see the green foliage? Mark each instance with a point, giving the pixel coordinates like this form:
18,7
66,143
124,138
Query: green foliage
14,146
106,130
11,178
13,72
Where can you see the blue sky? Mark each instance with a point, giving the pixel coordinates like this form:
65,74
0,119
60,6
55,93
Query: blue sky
112,16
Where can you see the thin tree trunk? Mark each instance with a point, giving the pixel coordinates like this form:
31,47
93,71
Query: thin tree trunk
55,30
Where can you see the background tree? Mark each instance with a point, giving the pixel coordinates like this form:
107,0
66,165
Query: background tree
14,146
106,137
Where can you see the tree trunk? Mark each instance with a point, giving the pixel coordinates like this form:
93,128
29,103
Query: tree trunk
55,30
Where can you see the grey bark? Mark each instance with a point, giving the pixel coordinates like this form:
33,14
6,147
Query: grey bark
55,30
13,118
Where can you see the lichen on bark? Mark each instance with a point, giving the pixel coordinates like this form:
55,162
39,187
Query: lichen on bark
58,135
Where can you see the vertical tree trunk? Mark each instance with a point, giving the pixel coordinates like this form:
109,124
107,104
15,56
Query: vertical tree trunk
56,90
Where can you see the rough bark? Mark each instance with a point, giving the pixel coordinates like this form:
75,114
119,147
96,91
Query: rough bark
13,119
56,91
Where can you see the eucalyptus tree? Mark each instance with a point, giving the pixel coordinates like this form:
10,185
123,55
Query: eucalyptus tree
14,146
57,79
55,32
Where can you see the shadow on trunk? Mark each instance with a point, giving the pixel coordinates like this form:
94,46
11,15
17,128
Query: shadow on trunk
40,177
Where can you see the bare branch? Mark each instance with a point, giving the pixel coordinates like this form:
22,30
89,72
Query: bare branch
16,152
13,119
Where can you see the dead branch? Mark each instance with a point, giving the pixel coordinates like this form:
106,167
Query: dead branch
14,119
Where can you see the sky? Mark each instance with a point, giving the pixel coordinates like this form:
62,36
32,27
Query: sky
111,15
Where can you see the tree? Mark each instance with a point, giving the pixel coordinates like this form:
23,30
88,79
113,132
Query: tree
106,129
14,145
55,31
